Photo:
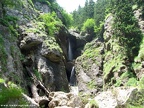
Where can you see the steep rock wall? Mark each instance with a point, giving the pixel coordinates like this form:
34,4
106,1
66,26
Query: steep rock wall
110,61
30,57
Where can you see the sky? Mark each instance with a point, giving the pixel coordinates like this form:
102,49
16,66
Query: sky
70,5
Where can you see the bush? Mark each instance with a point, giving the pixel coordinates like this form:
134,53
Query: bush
51,21
67,19
7,94
88,25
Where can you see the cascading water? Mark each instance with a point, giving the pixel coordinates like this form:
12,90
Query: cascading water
73,77
70,55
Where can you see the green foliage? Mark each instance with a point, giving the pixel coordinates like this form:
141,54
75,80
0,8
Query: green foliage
3,55
134,7
126,28
141,83
11,3
100,11
132,82
51,21
140,56
91,84
52,44
131,106
93,104
10,21
137,101
9,94
2,80
113,65
83,13
67,19
37,74
84,98
88,25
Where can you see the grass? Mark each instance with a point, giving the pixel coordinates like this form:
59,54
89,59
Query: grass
38,75
141,83
132,82
9,94
91,84
93,104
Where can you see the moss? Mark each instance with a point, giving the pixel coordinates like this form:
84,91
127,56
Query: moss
84,98
131,106
140,56
10,22
131,82
37,74
93,104
137,101
31,3
141,83
136,65
52,45
118,83
113,65
91,84
32,30
3,55
7,94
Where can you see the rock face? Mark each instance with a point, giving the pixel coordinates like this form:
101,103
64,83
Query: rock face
120,98
29,56
106,63
10,57
39,62
89,68
64,100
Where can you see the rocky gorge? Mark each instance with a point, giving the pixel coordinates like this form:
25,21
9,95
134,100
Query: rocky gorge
42,62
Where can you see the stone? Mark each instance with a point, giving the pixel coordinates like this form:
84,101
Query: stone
30,41
119,97
64,100
51,50
89,69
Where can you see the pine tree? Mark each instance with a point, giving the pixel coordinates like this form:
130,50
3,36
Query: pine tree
91,9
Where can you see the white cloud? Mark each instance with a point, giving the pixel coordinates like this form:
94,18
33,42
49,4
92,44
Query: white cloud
70,5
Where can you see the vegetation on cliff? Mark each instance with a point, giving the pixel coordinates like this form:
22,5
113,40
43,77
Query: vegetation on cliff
113,57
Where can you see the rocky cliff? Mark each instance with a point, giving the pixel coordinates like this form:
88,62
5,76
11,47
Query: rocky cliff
35,64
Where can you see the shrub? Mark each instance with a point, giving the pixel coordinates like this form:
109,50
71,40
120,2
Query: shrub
7,94
132,82
51,21
88,25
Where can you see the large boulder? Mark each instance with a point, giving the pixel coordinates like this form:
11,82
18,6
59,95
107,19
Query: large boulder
51,50
89,68
30,41
64,100
120,98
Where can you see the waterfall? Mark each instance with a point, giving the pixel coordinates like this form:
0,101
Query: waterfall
70,55
73,77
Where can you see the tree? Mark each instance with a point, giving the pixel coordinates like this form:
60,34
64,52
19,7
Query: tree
67,19
91,9
99,11
88,26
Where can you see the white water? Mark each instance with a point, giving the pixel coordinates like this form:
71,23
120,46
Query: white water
70,55
74,90
73,77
